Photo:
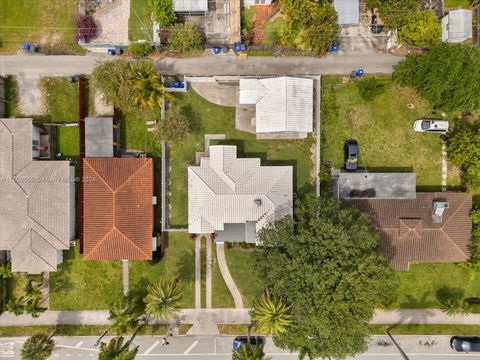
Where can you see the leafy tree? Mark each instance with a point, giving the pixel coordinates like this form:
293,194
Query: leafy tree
31,290
38,347
16,306
246,352
450,300
323,263
140,49
310,26
163,298
270,314
122,317
395,13
6,270
86,27
447,76
117,350
421,29
162,12
147,88
463,148
474,3
113,80
369,88
175,127
184,37
34,308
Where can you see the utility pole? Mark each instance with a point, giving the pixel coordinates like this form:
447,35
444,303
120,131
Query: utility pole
396,344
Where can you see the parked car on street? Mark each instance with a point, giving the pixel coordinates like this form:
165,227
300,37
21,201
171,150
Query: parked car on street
350,150
254,341
431,126
465,344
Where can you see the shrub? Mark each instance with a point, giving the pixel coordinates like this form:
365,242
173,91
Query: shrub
450,300
422,29
86,28
174,128
370,88
162,12
184,37
140,49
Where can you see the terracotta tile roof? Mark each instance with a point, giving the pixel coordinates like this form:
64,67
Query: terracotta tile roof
118,210
409,234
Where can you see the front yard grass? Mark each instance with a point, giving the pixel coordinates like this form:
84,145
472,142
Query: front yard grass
85,285
208,118
140,16
48,23
418,286
61,99
178,261
383,128
221,296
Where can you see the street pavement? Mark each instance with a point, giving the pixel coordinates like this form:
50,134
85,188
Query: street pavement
219,348
209,65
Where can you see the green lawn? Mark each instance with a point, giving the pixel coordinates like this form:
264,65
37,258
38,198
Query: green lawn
85,285
68,141
48,23
457,3
178,261
140,14
418,286
11,97
241,265
135,135
208,118
221,297
16,284
271,32
61,99
384,131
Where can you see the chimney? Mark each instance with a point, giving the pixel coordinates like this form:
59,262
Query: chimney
439,207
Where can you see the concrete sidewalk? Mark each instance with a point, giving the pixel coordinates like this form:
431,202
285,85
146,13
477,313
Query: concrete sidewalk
230,316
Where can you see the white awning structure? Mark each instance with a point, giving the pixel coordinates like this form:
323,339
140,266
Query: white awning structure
190,5
348,11
457,26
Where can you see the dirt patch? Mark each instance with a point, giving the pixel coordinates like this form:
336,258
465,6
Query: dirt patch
410,96
261,16
360,115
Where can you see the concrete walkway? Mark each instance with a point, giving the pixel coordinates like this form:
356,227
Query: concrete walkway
125,277
229,316
222,264
444,165
208,274
198,273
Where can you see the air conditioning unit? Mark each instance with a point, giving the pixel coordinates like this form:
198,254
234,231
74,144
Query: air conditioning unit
73,243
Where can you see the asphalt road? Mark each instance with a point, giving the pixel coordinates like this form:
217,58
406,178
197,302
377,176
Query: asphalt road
64,65
219,347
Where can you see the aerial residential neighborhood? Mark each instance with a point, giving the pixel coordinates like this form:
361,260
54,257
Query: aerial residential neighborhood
239,179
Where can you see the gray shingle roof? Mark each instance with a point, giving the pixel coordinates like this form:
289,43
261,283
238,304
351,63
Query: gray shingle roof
99,137
227,190
34,201
283,104
457,26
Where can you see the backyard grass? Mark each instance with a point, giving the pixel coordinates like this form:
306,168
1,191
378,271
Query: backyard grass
241,264
178,261
134,133
61,99
85,285
418,286
208,118
140,18
383,128
271,32
68,141
48,23
457,3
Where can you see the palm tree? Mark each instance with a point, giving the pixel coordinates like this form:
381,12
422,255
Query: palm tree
122,317
147,86
33,307
246,352
270,314
16,306
38,347
163,298
117,350
31,290
6,270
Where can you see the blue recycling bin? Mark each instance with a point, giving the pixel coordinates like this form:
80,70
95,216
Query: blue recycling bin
359,72
176,84
26,46
334,48
111,51
238,47
216,50
182,85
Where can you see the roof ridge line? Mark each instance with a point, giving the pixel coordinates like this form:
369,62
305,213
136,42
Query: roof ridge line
99,243
96,172
126,237
33,251
131,176
453,242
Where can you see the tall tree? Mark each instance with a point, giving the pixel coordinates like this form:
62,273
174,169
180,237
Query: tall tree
175,127
148,90
37,347
162,12
270,314
116,349
447,76
34,308
395,13
122,316
246,352
163,298
323,263
16,306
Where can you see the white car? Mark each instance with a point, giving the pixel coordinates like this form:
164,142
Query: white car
431,125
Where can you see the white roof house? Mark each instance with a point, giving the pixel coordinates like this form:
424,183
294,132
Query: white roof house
282,104
190,5
457,26
248,3
348,11
37,202
235,198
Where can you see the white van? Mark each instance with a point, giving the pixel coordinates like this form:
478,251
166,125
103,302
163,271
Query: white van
431,125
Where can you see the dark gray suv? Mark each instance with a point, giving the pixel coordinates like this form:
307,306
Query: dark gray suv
350,150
